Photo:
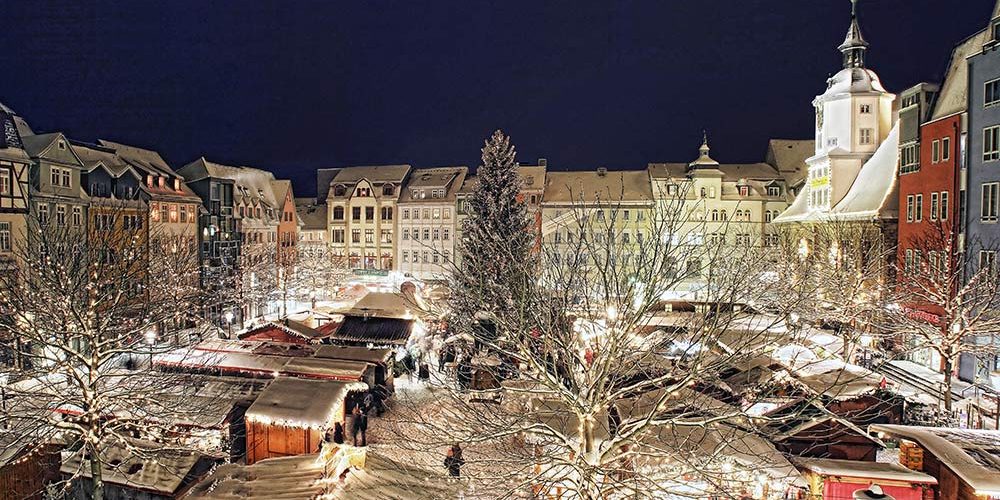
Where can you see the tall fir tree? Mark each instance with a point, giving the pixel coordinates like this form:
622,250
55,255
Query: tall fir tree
492,277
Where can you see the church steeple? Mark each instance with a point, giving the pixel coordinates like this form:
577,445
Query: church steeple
854,45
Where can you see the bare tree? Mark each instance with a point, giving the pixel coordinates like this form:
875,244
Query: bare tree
90,306
583,384
945,302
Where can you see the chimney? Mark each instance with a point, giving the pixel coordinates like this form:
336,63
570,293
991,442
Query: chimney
542,162
602,171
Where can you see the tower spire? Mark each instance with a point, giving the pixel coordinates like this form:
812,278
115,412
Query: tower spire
854,45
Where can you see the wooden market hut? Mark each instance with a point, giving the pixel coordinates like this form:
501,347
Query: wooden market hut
832,479
965,462
26,467
291,416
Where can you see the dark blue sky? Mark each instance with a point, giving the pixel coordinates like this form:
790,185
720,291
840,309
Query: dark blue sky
295,85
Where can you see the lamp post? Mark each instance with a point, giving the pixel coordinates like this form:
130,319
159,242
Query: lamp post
229,322
150,341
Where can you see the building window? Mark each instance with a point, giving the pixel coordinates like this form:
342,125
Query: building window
934,206
356,213
369,236
77,216
991,143
427,213
61,215
437,213
918,214
866,109
774,191
386,213
865,136
987,259
5,187
909,208
406,213
446,213
425,256
945,148
744,190
437,234
173,212
446,234
989,207
943,208
369,213
363,192
427,234
935,151
908,261
909,159
355,236
154,211
386,236
337,236
43,213
4,236
406,235
388,190
406,256
992,95
338,213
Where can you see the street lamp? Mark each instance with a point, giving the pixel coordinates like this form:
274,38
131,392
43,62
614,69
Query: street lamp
150,341
229,321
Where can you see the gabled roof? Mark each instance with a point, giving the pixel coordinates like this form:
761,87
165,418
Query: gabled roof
789,156
41,145
375,174
94,156
311,217
450,179
145,159
590,186
953,97
281,187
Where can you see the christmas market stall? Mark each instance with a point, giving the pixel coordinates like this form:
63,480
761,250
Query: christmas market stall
292,416
832,479
25,465
965,462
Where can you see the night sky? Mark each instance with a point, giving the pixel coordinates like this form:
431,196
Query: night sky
291,86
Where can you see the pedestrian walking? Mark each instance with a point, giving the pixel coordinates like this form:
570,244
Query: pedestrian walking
424,372
453,460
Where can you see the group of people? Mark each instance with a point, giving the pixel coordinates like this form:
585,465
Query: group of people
357,421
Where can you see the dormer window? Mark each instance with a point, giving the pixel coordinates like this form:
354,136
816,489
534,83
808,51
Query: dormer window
149,180
996,31
388,190
339,190
744,190
363,192
177,184
161,181
774,191
62,144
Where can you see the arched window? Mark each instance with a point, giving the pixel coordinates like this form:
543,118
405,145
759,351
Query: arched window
715,213
704,192
723,215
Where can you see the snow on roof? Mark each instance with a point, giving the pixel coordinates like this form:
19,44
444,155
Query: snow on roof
154,469
873,194
876,471
376,173
287,478
449,178
294,402
242,357
354,353
574,187
852,81
971,454
953,97
789,157
312,216
384,305
383,477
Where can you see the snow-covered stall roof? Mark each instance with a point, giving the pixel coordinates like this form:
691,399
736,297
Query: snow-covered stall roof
354,353
384,305
383,477
287,478
971,454
296,402
875,471
142,465
268,359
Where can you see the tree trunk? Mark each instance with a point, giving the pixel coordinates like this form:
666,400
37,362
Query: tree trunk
97,479
946,396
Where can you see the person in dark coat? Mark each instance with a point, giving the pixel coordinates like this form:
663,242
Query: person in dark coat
362,427
424,372
338,433
464,374
453,460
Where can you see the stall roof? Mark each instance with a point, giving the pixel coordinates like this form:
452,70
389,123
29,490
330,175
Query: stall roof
297,402
374,330
263,359
974,455
862,470
287,478
354,353
157,470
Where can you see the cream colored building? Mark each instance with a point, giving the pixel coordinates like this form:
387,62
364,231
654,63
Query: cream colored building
427,222
361,211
